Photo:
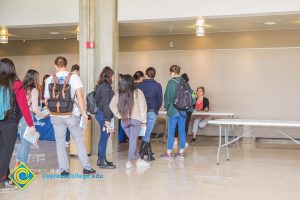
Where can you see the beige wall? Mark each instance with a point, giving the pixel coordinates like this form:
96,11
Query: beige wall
252,83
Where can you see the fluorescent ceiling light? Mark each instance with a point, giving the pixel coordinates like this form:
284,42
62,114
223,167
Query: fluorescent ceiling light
200,31
54,33
270,23
3,39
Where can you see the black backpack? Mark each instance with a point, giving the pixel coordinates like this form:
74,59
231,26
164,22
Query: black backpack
183,96
91,106
60,101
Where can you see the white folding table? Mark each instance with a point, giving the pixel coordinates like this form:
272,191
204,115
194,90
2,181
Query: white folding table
225,123
198,113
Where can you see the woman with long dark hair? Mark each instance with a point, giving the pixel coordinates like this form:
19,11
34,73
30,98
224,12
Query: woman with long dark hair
30,85
129,105
103,96
12,101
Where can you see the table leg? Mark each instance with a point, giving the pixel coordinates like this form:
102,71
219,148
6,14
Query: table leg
226,141
220,143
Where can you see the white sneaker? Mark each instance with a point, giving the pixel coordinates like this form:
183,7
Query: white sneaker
129,165
142,163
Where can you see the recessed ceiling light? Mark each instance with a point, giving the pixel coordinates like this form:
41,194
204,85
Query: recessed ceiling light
3,39
270,23
200,22
65,38
54,33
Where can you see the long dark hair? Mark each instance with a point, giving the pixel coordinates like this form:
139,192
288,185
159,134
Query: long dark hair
8,76
30,80
106,76
126,99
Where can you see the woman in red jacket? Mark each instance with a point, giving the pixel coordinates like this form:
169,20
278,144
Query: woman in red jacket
12,101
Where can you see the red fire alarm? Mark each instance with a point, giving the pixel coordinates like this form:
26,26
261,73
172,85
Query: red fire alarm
90,45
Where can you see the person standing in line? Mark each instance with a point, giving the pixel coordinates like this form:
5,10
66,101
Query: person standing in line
71,121
31,85
175,117
103,96
202,104
130,106
12,101
188,118
75,69
153,94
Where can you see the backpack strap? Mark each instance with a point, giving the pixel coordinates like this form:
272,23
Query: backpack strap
54,86
65,84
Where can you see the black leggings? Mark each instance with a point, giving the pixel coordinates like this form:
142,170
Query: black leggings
8,134
187,122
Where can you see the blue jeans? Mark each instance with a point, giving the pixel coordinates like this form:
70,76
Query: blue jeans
179,119
103,136
24,147
151,119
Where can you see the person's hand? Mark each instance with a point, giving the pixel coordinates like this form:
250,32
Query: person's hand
206,109
45,116
85,117
32,130
107,124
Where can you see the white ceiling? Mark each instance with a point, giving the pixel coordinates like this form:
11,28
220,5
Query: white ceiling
180,26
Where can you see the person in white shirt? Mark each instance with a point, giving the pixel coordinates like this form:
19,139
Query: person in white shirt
62,122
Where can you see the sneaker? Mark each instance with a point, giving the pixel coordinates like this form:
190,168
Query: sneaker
65,173
89,171
166,156
180,156
8,186
142,163
129,165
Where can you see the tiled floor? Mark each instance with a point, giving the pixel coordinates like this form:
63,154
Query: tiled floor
252,174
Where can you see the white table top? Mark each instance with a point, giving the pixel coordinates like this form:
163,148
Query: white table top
210,113
253,122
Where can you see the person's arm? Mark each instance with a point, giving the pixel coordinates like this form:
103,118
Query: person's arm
114,106
35,102
160,96
167,96
46,93
23,105
81,103
143,106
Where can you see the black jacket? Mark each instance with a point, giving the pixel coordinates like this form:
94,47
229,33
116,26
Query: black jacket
205,103
103,96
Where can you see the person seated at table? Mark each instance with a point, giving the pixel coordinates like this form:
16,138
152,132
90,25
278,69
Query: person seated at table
202,104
